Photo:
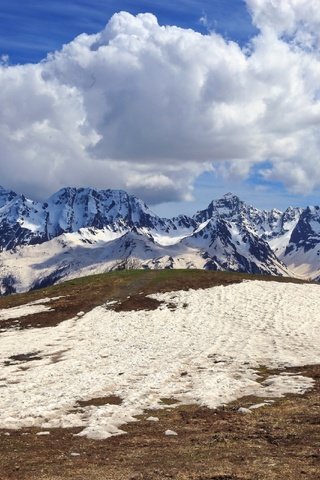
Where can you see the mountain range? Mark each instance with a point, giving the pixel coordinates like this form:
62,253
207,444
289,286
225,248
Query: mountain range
78,231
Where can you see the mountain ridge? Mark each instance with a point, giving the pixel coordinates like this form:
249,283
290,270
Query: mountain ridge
110,229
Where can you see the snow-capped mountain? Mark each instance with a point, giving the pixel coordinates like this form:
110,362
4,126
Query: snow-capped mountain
83,230
263,223
20,220
24,222
302,253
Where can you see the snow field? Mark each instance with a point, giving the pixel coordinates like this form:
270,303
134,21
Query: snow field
205,352
27,309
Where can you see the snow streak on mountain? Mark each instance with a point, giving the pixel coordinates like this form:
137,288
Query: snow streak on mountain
81,230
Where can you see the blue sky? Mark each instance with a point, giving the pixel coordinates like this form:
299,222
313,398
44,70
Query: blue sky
33,28
209,187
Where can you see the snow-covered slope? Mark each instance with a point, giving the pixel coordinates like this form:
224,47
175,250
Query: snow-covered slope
302,253
87,252
95,251
228,245
219,337
81,230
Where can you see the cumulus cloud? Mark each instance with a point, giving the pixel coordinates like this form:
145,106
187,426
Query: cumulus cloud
148,108
298,19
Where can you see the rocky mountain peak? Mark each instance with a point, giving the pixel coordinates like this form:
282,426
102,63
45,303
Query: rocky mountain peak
226,207
6,196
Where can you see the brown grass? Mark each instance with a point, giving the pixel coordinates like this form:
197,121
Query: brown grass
98,402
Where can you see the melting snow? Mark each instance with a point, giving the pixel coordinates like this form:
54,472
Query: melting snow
153,419
170,433
27,309
244,410
259,405
219,339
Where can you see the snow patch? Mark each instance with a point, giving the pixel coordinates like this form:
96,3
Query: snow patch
28,309
220,336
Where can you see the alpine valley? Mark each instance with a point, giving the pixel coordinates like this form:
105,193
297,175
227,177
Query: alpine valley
81,231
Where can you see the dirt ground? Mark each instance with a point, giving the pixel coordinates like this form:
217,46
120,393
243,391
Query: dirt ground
276,442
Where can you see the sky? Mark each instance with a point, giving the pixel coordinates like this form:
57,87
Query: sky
175,102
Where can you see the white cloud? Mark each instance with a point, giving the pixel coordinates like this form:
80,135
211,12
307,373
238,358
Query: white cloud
4,59
148,108
291,17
